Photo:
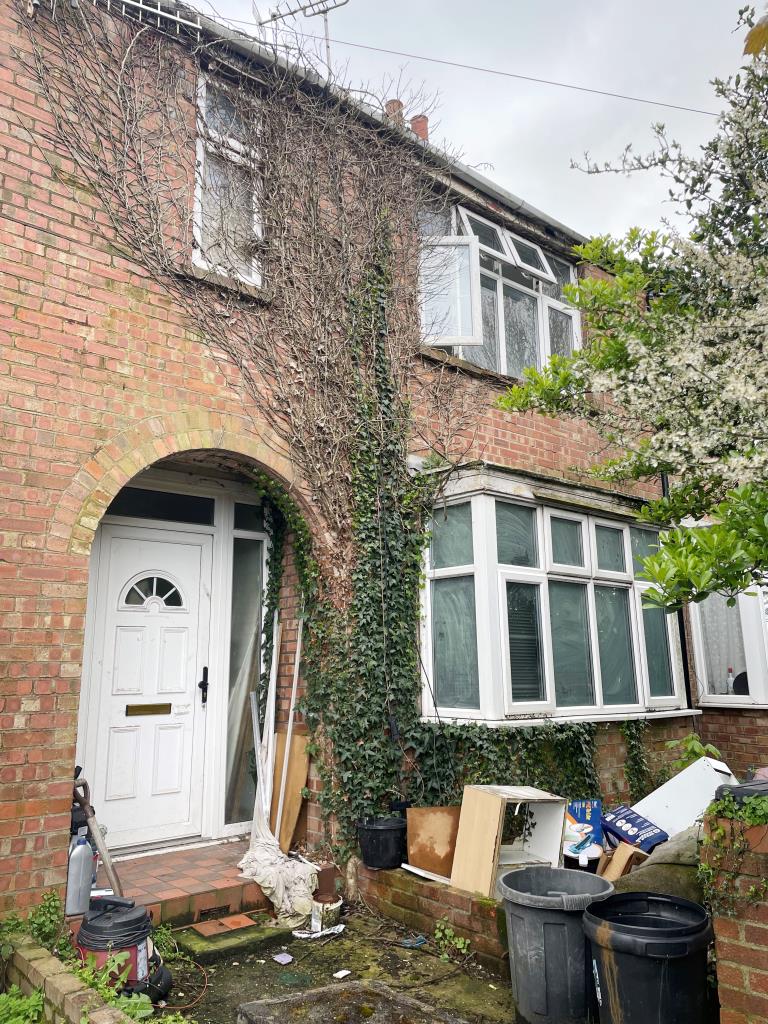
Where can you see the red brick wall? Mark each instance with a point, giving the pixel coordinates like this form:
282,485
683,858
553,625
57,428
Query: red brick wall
419,904
741,947
102,378
741,736
612,752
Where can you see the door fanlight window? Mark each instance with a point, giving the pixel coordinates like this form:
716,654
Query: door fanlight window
152,590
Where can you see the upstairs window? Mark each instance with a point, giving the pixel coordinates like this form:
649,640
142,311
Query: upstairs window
227,228
509,293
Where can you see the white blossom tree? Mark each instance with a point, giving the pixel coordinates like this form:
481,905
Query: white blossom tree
674,376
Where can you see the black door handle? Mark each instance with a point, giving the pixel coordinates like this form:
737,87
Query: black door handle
203,684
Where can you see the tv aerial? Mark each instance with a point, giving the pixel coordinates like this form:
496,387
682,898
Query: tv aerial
311,9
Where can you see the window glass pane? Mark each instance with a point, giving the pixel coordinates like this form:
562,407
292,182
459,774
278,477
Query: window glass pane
221,114
446,291
528,254
521,330
487,354
486,234
562,272
454,643
643,543
560,332
452,536
655,623
244,669
723,643
614,637
434,221
249,517
569,623
517,276
524,638
176,508
489,263
567,546
516,534
610,549
227,236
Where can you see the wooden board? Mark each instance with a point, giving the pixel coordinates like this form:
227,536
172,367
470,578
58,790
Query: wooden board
296,780
478,841
432,838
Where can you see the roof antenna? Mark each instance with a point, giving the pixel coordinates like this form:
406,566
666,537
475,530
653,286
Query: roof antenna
311,9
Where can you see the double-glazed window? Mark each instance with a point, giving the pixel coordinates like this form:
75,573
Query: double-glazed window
731,647
538,609
227,227
494,298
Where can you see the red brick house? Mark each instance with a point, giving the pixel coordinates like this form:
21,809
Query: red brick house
134,549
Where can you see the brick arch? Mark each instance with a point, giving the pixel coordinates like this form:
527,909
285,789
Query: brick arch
84,502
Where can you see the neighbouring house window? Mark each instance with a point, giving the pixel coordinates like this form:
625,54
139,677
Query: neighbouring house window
730,643
535,609
227,229
494,298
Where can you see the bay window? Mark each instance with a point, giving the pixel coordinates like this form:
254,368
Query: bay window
536,610
493,298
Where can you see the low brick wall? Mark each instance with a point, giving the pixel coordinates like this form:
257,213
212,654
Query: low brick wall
419,904
741,944
67,999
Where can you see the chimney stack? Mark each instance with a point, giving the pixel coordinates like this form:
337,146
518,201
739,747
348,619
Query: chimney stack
394,111
420,127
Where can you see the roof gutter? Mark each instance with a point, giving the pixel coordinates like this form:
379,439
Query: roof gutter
193,22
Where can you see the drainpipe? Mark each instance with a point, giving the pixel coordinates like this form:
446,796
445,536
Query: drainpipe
681,623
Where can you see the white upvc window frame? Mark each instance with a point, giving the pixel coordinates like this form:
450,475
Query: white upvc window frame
535,290
509,249
611,575
434,337
233,151
482,613
491,577
753,611
546,273
585,570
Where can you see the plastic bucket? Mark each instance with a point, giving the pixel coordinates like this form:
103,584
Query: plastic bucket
547,950
649,958
382,842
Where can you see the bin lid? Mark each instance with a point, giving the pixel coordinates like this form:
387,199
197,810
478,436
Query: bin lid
553,888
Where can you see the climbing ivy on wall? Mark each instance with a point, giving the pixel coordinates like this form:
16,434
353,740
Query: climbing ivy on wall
637,770
361,661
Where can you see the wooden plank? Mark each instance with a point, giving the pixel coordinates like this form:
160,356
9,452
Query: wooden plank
478,841
432,838
295,781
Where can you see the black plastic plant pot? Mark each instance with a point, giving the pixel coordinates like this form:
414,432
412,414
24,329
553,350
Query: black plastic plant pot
649,958
382,842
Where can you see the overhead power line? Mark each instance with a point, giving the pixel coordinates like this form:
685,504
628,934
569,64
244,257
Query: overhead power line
524,78
506,74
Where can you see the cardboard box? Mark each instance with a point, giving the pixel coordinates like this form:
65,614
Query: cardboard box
615,863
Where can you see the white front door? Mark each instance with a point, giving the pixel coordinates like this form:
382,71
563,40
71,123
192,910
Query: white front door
146,726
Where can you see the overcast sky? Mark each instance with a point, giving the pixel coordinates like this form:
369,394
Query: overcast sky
524,135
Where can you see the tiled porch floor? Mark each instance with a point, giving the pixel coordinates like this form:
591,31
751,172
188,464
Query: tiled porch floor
181,885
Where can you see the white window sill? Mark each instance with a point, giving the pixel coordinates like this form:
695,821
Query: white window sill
597,716
727,703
